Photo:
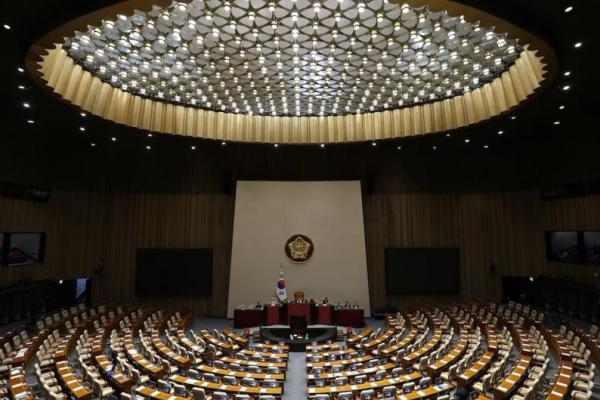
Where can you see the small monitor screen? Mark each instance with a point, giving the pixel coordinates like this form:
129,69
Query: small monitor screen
591,242
563,246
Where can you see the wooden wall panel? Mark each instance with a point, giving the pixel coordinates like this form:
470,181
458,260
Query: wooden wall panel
497,233
83,228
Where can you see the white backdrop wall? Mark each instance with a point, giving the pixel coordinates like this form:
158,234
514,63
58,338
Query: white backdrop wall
268,213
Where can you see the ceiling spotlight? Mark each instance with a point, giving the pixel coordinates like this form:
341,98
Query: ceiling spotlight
82,128
513,117
93,144
556,122
569,9
500,132
567,73
148,147
20,69
399,148
322,145
26,105
149,135
562,107
566,88
435,147
578,45
373,144
467,140
83,114
276,145
7,27
193,147
223,143
485,146
30,121
114,139
21,87
448,135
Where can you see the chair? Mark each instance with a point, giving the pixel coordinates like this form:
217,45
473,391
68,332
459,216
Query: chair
219,396
389,392
341,380
368,394
198,394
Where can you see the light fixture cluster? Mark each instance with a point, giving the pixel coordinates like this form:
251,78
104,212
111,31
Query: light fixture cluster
293,57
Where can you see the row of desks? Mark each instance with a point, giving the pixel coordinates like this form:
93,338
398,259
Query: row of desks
233,389
76,388
19,389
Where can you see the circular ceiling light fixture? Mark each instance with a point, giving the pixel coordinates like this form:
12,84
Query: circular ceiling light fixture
295,58
292,59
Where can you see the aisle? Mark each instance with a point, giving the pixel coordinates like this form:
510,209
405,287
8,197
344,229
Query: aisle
295,379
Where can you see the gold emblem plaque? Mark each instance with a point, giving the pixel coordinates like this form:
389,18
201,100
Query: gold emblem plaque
299,248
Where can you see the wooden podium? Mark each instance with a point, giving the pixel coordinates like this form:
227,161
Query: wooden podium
296,309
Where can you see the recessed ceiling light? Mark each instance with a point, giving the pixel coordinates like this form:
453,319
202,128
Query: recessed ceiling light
513,117
435,147
93,144
223,143
566,87
567,73
7,27
399,147
467,140
114,139
26,105
556,122
21,87
82,128
276,145
448,135
83,114
193,147
373,144
148,147
149,135
322,145
20,69
578,45
30,121
485,146
500,132
569,9
562,107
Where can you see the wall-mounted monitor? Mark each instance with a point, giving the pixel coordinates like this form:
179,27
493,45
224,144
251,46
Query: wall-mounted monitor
591,247
421,270
22,248
173,273
563,246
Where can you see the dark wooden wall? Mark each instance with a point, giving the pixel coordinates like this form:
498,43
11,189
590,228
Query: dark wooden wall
497,233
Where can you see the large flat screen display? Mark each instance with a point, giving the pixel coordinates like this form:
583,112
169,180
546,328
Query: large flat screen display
422,270
173,272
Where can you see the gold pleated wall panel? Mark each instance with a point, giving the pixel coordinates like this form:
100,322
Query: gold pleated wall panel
79,87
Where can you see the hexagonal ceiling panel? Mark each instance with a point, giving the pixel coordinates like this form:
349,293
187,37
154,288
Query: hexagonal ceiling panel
293,58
